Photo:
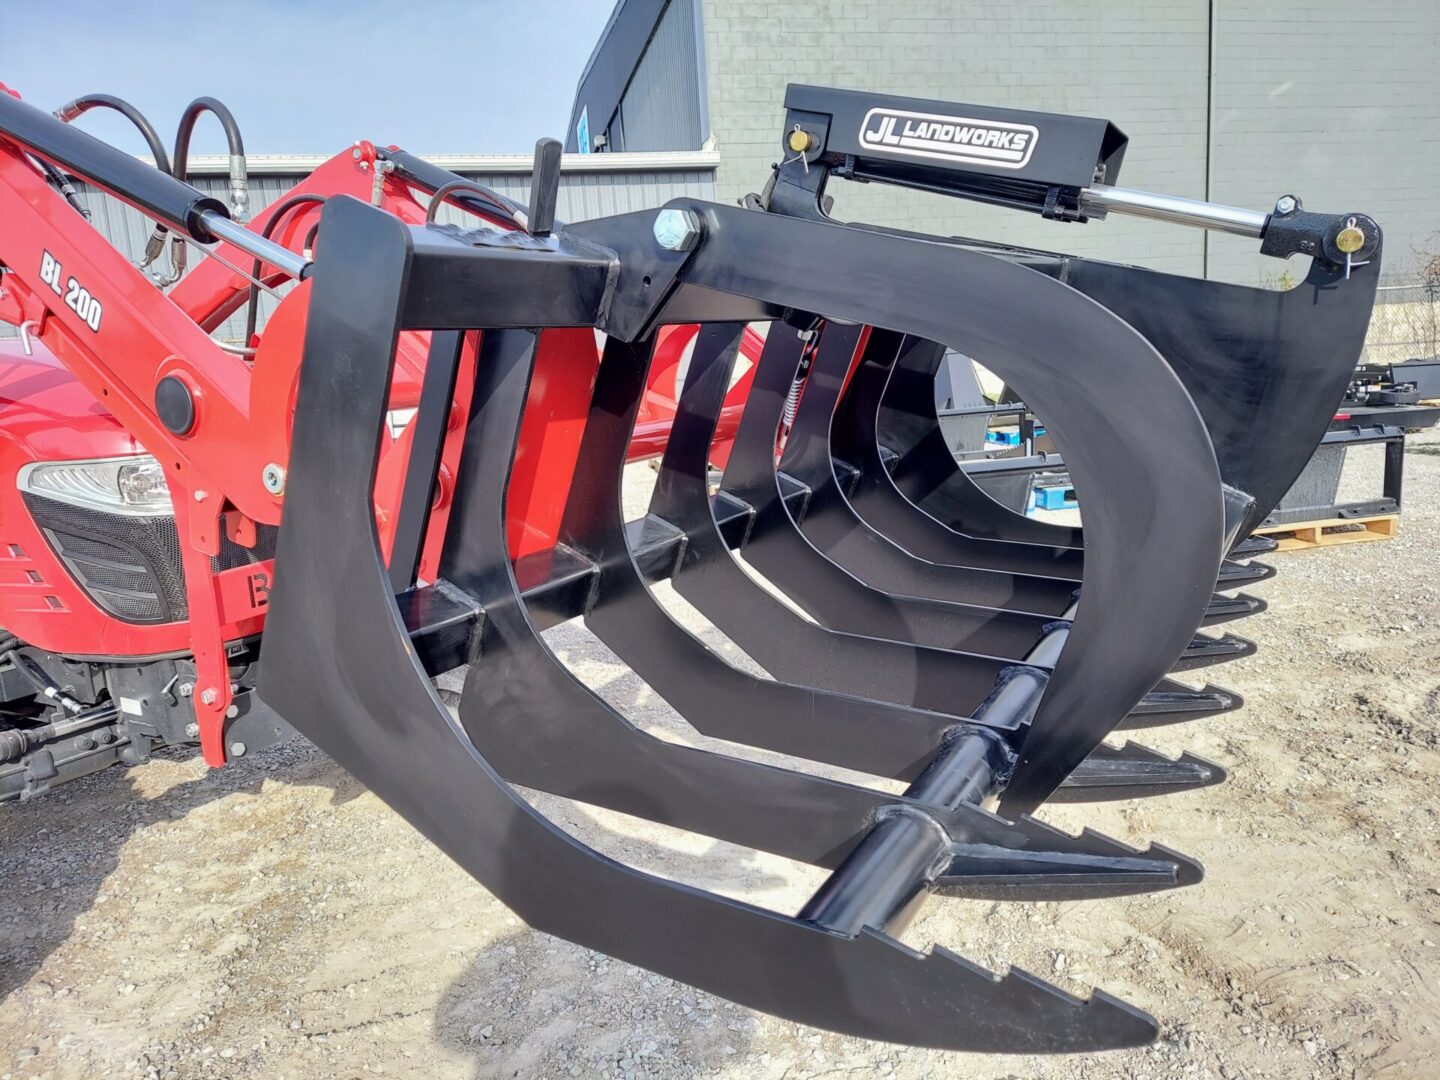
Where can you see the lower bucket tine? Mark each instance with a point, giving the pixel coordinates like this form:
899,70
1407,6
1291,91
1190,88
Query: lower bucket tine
542,728
841,421
340,666
786,645
716,698
925,471
808,555
826,559
910,488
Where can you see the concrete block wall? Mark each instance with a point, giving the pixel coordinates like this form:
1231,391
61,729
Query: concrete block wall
1334,100
1337,102
1142,66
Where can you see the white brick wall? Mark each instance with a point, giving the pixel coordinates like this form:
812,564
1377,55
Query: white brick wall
1338,102
1142,66
1335,100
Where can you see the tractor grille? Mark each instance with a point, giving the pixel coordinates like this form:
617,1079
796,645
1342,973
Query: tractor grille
131,566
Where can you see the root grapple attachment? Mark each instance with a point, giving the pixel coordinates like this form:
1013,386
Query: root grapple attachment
911,628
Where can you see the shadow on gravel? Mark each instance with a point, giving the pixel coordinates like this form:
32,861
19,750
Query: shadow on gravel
531,1005
57,850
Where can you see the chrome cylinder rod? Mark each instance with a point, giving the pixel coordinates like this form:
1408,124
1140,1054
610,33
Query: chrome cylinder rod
253,244
1102,199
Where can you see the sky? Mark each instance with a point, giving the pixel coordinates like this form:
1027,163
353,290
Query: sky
312,76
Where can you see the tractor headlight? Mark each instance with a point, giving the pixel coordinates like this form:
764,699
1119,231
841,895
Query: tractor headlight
126,485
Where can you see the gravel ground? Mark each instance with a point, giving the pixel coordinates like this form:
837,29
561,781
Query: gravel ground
274,919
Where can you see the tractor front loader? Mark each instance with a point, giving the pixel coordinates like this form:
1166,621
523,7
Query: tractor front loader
909,628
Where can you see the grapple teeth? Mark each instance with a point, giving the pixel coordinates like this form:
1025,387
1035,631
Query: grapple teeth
1205,651
1174,703
1134,771
1234,574
1074,1024
1223,609
1254,545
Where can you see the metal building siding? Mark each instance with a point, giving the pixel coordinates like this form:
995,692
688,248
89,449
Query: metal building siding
583,195
660,109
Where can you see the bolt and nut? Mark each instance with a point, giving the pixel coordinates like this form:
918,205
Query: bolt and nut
1286,204
677,230
237,749
209,696
192,731
273,477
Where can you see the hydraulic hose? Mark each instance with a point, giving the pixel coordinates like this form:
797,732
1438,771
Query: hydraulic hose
61,183
239,183
43,683
81,105
490,199
252,308
84,104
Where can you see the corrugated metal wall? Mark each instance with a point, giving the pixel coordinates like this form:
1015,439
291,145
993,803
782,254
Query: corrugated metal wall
661,106
583,195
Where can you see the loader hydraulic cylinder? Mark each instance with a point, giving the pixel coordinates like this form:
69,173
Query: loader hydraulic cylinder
1101,199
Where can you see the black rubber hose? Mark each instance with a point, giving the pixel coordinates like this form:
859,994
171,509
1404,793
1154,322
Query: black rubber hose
252,307
470,188
42,682
187,128
420,173
61,183
152,191
82,105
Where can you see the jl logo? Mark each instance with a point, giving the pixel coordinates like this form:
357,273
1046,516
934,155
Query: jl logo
956,139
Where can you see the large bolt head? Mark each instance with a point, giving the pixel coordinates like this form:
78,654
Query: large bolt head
1286,204
677,230
273,477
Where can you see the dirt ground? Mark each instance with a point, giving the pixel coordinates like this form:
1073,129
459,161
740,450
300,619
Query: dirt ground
274,919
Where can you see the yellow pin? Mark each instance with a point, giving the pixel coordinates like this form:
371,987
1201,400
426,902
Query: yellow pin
1350,239
799,141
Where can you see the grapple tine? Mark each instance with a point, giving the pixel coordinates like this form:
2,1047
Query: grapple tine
1254,545
787,645
1174,703
924,470
1235,574
1206,651
1228,330
1244,376
1133,771
1223,609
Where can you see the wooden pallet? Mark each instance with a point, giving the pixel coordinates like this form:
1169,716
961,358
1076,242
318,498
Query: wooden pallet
1303,535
